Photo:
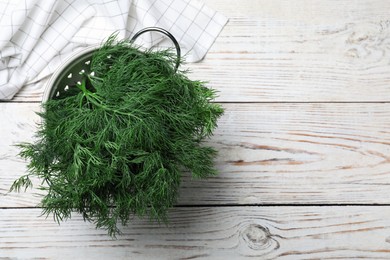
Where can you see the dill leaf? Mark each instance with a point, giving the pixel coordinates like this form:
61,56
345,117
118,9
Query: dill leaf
117,145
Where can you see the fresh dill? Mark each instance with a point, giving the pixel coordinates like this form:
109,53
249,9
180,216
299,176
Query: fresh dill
117,144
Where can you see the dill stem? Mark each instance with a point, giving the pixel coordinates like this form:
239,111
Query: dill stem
98,102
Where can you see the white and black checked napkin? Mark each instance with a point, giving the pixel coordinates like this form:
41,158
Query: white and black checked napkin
37,35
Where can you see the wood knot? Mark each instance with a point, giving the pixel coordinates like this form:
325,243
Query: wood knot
258,237
368,41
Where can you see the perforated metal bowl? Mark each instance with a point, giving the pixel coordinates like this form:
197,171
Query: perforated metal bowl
71,71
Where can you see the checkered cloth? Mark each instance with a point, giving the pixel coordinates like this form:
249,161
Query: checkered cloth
38,35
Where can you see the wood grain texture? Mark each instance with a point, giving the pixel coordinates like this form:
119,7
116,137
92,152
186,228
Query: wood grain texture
268,153
306,89
207,233
301,51
297,50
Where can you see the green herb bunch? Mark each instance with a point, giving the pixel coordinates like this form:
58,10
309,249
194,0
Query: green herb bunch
116,145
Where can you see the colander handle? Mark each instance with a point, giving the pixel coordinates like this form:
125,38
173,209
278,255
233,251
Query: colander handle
163,31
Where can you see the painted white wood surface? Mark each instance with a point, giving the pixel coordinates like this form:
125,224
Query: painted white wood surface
299,50
207,233
306,87
268,153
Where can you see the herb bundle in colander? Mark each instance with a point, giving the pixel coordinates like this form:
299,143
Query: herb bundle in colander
116,145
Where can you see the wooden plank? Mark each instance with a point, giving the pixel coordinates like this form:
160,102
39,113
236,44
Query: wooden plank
207,233
18,123
295,51
269,153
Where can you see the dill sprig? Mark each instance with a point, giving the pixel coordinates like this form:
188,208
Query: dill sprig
116,145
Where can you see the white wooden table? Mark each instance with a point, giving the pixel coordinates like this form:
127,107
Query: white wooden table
304,147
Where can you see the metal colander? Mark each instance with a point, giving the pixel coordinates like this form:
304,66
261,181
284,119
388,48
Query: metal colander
71,71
